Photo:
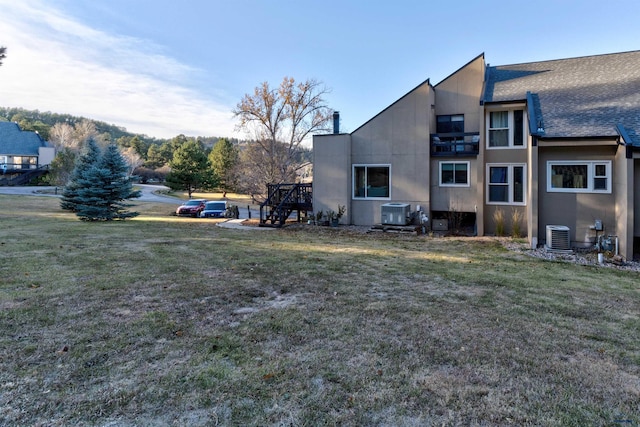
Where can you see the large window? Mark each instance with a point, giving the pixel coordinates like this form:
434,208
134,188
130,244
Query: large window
450,124
371,181
25,162
506,184
506,129
454,174
579,176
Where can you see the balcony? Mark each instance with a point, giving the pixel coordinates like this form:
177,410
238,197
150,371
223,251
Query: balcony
17,167
459,144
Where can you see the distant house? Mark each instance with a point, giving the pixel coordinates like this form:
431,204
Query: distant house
22,151
556,143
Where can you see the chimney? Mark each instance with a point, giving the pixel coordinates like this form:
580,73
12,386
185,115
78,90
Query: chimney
336,122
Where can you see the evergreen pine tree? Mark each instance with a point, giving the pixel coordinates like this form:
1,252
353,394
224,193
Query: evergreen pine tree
224,158
87,159
104,188
190,168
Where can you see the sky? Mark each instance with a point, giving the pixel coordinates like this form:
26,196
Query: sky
164,67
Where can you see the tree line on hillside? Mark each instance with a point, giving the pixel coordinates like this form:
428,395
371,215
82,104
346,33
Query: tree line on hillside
278,120
44,122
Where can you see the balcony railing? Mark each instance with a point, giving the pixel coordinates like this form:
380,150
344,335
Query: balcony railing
461,144
13,167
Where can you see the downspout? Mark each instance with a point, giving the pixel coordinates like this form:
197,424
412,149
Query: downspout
536,125
536,131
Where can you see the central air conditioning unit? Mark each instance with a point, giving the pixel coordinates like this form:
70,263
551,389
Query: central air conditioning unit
396,213
558,238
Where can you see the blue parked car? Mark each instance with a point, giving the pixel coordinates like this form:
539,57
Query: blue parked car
214,210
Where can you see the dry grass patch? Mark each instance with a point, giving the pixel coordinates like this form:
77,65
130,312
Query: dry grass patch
156,321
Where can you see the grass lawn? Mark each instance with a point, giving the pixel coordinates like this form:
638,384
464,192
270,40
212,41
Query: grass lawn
163,320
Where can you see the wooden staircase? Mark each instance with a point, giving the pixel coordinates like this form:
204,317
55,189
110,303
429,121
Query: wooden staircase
284,199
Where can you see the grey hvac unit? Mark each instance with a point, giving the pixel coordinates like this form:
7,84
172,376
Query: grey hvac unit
558,238
395,213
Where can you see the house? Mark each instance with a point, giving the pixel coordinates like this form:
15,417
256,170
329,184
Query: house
554,145
22,152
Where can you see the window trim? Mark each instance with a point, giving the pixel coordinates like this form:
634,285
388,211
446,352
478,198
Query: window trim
366,166
510,127
591,166
510,183
441,184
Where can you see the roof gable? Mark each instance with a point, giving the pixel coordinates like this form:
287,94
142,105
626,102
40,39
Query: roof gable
481,57
16,142
426,82
578,97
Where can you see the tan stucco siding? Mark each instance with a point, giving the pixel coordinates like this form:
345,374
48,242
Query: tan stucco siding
454,198
507,157
399,137
332,173
623,188
519,155
460,94
578,211
533,192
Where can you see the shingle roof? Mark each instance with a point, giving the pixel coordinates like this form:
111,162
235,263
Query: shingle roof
16,142
577,97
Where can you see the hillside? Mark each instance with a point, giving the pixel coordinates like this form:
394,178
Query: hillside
42,121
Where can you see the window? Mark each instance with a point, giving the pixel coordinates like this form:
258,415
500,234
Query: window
506,184
450,124
506,129
579,177
454,174
371,181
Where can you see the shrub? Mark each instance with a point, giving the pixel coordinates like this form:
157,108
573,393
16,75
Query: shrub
516,222
498,219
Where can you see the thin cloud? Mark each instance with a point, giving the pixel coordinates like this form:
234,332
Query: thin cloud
57,64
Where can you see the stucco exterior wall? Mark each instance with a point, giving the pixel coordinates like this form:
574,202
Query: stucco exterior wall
533,193
399,137
455,199
504,156
623,188
578,211
459,94
332,173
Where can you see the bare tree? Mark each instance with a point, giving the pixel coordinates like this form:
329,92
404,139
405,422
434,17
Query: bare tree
132,158
3,53
62,136
254,170
68,141
84,130
280,119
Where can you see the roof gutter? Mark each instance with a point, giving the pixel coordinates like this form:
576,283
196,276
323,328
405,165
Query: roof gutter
627,141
